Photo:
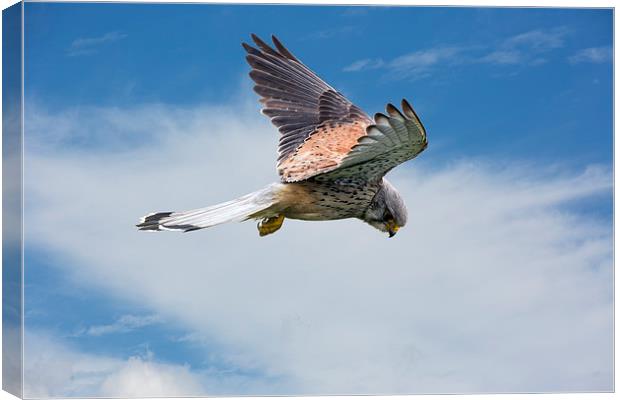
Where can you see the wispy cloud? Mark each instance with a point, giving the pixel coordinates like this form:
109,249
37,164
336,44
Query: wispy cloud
90,45
414,65
502,57
357,11
367,63
592,55
332,32
419,63
528,49
493,268
538,40
126,323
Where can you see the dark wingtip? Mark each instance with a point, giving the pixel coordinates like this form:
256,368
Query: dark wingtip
380,115
278,44
264,46
283,50
410,112
247,47
407,109
405,104
259,42
390,107
393,111
151,222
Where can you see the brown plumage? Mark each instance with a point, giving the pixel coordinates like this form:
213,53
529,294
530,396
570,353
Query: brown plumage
332,157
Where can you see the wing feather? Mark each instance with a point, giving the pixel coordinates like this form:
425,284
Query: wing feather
301,105
392,140
324,135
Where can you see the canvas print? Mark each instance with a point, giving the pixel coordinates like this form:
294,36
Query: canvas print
228,199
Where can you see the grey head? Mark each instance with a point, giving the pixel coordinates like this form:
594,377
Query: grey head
387,211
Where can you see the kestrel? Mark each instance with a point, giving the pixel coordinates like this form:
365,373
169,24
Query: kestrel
332,157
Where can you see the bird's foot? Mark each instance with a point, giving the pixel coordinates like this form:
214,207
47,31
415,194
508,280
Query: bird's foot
267,226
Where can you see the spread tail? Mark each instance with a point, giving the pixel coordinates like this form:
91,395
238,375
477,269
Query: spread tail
240,209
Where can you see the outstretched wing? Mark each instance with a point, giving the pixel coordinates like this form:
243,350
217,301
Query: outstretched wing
318,125
390,141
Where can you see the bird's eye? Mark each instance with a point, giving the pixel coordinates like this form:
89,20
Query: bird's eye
387,216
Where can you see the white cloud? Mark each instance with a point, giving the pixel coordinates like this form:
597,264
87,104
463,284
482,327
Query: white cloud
329,33
592,55
53,369
367,63
414,65
526,48
125,323
90,45
495,285
419,63
502,57
538,39
141,378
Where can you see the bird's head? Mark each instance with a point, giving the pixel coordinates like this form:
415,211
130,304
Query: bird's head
387,211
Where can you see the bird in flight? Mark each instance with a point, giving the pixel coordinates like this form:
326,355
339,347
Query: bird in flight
332,157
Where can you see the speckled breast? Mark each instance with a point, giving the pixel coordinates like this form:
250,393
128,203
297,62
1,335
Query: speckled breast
327,200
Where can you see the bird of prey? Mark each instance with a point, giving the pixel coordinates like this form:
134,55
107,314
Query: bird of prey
332,157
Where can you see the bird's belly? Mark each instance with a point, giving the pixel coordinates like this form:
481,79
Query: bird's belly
320,213
320,201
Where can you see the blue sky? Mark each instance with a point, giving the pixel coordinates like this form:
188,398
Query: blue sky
517,103
185,54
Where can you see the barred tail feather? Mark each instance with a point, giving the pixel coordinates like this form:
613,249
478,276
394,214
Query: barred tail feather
240,209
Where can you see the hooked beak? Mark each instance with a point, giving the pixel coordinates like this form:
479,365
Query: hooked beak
392,228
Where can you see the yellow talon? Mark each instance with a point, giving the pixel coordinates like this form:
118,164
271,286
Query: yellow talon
267,226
